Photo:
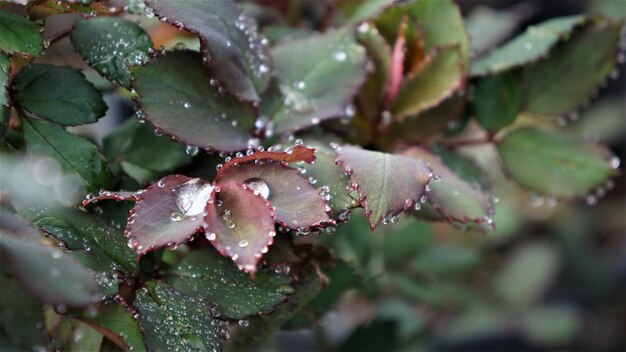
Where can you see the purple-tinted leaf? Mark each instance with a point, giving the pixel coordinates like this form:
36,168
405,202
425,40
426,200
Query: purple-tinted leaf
298,153
239,222
453,197
176,96
318,77
167,213
387,183
230,43
298,204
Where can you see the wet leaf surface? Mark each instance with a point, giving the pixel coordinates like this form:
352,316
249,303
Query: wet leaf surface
230,43
574,70
240,224
167,213
74,154
59,94
556,163
530,46
19,35
297,203
173,321
110,45
176,84
455,198
117,323
387,183
204,274
318,77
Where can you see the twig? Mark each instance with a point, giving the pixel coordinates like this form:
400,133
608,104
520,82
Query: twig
465,142
59,35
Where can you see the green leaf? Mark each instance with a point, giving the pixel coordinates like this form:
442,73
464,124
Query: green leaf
58,94
372,93
318,77
47,273
526,276
75,155
101,236
176,84
440,75
137,144
443,25
556,163
19,35
117,323
206,275
297,203
387,183
172,321
240,224
532,45
574,70
110,45
21,316
497,101
230,43
453,197
5,100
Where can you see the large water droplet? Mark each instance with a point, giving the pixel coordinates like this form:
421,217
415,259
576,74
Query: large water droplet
176,216
192,197
259,186
192,150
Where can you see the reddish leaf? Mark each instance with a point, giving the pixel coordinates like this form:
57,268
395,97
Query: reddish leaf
298,153
104,195
453,197
387,183
397,63
167,213
298,204
240,224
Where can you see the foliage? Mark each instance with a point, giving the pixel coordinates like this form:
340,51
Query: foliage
222,214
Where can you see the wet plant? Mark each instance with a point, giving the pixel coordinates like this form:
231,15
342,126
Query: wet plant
212,218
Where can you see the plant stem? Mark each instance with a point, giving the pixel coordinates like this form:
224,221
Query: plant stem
59,35
466,142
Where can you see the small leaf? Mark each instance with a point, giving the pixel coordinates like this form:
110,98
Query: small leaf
556,163
497,101
167,213
297,153
21,317
116,323
240,224
206,275
574,70
172,321
48,274
387,183
453,197
372,93
40,9
110,45
230,43
5,102
318,77
136,143
176,84
75,155
298,204
58,94
19,35
530,46
438,78
366,9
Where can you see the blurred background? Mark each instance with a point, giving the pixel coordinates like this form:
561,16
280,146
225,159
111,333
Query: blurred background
552,275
